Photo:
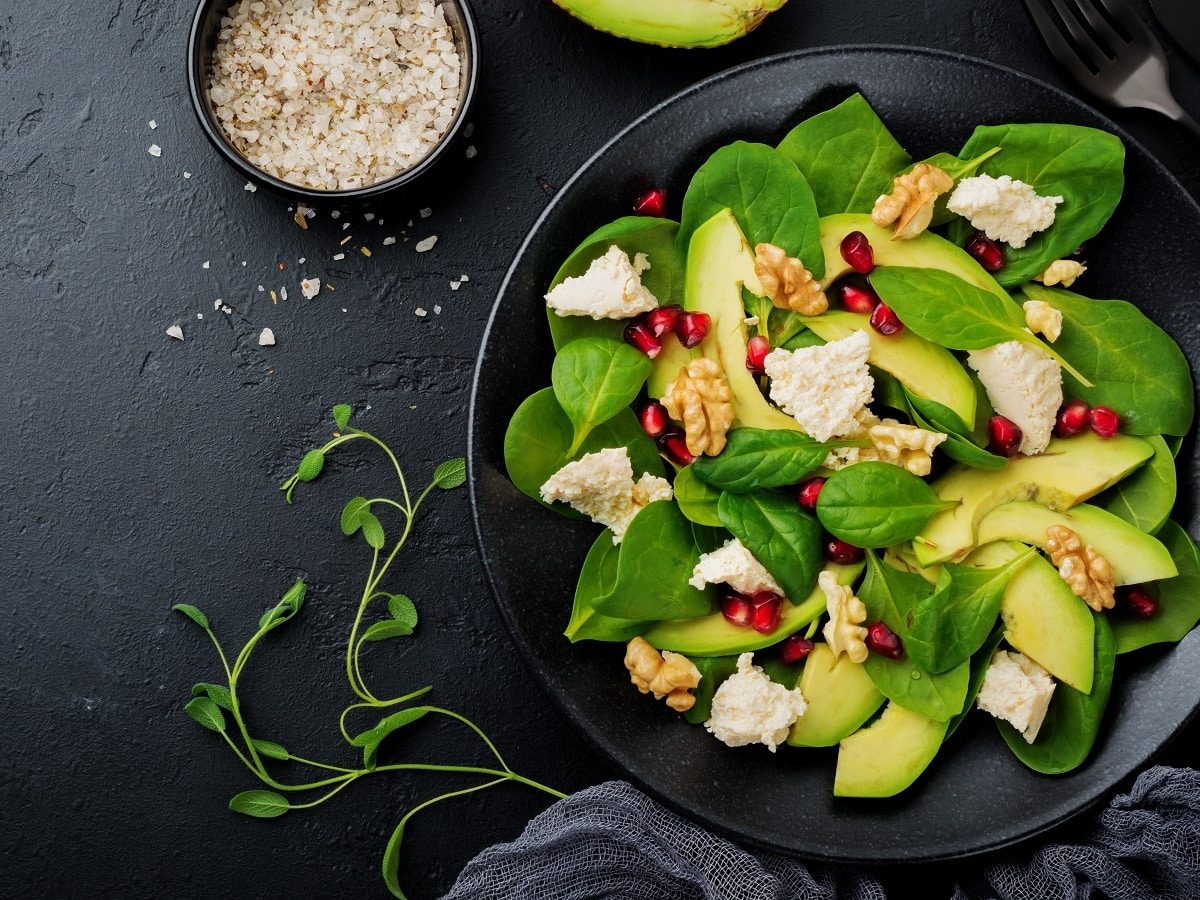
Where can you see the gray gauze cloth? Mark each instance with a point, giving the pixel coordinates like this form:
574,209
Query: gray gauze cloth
612,841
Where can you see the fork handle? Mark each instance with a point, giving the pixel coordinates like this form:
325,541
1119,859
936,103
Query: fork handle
1188,123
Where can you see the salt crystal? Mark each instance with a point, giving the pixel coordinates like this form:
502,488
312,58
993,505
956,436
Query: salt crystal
426,243
388,241
336,214
155,150
267,338
199,315
465,279
310,287
369,217
425,213
249,186
187,174
437,310
217,303
302,260
418,311
339,256
471,152
455,285
152,124
204,265
176,332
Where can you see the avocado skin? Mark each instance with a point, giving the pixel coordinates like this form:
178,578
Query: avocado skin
888,755
673,23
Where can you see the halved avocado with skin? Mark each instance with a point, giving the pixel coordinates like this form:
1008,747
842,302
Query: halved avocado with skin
1069,472
888,755
674,23
841,696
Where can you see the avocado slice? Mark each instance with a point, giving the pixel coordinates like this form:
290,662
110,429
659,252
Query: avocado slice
674,23
841,697
1042,617
1135,557
1069,472
714,635
887,756
923,367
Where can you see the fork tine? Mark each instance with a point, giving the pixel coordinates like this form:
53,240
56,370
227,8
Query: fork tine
1060,48
1100,26
1085,44
1125,17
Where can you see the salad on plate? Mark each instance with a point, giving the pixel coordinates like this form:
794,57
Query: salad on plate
866,457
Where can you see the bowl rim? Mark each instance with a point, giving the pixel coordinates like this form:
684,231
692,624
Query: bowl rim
216,136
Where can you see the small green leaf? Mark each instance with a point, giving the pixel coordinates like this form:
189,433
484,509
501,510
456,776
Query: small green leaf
207,713
217,693
294,596
260,804
311,465
451,474
352,515
877,504
289,604
391,861
370,739
390,628
341,415
192,613
270,749
372,529
402,609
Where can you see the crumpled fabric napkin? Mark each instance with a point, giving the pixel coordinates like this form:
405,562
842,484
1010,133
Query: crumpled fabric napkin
612,841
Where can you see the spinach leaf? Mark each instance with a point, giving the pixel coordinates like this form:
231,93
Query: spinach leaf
768,196
1145,498
1082,165
847,154
696,500
634,235
539,439
956,168
1151,385
941,307
1073,720
947,628
594,379
758,458
779,534
979,666
656,560
890,595
960,444
597,579
713,671
1178,598
877,504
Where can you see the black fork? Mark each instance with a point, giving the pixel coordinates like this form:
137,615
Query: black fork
1110,52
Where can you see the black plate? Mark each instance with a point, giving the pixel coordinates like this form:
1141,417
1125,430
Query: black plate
976,796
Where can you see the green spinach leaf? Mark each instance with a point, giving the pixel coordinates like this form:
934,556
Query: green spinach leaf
1145,498
956,168
779,534
758,458
697,500
594,379
597,579
1178,598
877,504
960,444
713,671
979,666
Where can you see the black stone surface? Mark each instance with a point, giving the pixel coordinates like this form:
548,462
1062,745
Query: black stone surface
141,471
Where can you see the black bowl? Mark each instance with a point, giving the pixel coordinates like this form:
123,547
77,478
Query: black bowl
976,796
202,40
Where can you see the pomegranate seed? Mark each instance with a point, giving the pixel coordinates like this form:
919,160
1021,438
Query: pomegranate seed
651,203
639,334
654,419
857,299
1138,603
986,252
764,617
839,551
885,321
884,641
856,251
674,444
663,319
1072,419
1004,436
762,598
736,608
795,648
692,328
808,493
756,354
1104,421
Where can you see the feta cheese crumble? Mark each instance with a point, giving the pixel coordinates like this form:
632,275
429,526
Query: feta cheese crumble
734,565
749,708
310,287
1024,384
823,388
600,485
1002,208
1017,690
611,288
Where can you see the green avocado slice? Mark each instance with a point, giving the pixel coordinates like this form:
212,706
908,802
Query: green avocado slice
888,755
841,696
673,23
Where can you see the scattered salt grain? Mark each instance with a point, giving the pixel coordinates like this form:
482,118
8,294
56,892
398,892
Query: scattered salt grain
425,213
302,260
455,285
437,310
249,186
243,264
310,287
261,288
369,217
471,152
420,312
154,150
205,264
228,310
217,303
339,256
152,124
267,338
426,243
199,315
389,240
283,293
335,214
176,332
464,279
187,174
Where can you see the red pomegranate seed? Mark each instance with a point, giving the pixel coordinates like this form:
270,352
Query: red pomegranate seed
808,493
1004,436
756,354
986,252
1104,421
663,319
839,551
885,321
1138,603
674,444
1072,419
884,641
651,203
764,616
654,419
856,251
736,608
857,299
692,328
795,648
639,334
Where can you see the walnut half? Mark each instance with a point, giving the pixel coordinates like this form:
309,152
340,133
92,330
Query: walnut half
787,282
1087,572
843,632
1043,319
701,400
910,204
665,674
906,445
1061,271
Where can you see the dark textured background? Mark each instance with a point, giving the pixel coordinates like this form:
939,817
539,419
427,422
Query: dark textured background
141,471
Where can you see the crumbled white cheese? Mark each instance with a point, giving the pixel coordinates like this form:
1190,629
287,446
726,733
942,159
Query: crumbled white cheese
749,708
1017,690
1024,384
1003,209
426,243
824,388
734,565
154,150
176,332
266,338
310,287
600,485
611,288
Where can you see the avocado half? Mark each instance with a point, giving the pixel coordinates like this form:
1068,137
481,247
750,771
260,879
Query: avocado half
673,23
